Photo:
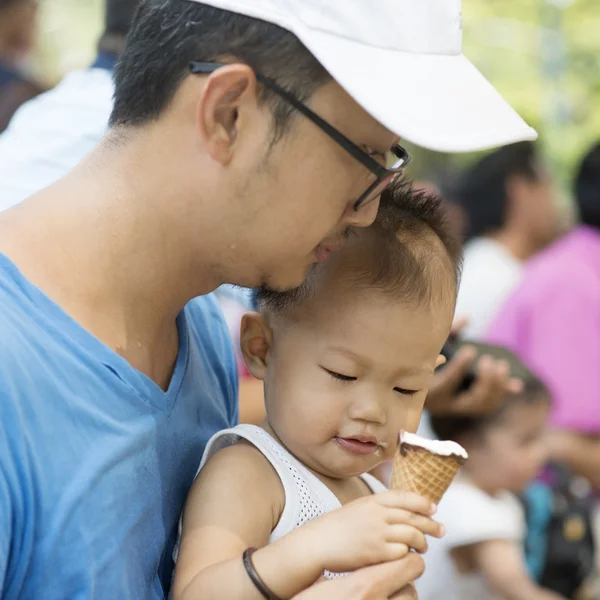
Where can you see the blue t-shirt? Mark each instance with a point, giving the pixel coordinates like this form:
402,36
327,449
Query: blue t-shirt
95,459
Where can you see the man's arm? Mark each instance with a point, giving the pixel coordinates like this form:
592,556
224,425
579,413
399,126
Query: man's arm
379,582
501,562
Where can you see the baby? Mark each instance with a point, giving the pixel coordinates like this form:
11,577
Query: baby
346,362
483,556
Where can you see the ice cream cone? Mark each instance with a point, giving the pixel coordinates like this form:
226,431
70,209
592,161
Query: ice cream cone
426,467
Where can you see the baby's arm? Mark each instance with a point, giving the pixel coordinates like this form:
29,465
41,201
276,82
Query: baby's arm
501,562
234,504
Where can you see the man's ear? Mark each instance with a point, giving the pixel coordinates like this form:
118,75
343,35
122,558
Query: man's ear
256,337
223,94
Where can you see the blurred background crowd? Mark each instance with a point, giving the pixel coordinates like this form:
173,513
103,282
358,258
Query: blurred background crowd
529,215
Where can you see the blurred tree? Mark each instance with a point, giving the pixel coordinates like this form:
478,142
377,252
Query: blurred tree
69,31
544,57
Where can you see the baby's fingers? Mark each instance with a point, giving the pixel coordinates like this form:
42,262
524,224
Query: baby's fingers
406,500
398,516
406,534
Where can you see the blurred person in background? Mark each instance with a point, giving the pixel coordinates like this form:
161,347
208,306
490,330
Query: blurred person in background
552,322
511,213
50,134
482,556
18,26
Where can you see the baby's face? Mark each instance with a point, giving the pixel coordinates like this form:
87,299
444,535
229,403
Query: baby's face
348,374
512,451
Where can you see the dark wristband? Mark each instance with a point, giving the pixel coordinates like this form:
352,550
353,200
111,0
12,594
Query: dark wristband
259,584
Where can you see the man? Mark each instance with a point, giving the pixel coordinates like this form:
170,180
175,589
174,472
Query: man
511,214
51,134
17,37
552,321
234,156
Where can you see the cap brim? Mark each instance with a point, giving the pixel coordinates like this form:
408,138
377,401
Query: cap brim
439,102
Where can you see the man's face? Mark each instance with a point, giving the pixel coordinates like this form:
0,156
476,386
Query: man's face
540,208
297,196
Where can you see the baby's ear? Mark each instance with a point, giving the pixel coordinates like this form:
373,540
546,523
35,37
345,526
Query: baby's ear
441,359
256,337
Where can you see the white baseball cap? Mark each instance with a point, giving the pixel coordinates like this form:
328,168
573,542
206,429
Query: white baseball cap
402,61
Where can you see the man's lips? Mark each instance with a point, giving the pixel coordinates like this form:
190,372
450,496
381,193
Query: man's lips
324,250
359,444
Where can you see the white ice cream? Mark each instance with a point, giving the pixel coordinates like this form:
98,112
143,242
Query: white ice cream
433,446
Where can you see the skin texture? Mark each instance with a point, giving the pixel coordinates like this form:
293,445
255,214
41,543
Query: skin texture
347,362
507,457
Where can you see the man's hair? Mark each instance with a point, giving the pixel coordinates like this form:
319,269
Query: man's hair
400,258
482,190
169,34
587,188
455,428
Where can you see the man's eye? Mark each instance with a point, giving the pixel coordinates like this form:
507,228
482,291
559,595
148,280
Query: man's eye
405,392
339,376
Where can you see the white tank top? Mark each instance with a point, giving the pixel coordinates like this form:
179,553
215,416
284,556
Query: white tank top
306,496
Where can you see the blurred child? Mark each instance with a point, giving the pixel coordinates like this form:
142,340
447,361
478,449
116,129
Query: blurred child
482,555
346,361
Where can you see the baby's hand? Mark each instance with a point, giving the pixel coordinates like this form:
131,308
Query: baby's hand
371,530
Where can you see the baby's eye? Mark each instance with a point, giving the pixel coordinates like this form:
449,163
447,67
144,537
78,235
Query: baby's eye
405,392
339,376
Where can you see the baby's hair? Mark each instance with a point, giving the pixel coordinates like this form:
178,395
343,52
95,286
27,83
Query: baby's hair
402,257
455,428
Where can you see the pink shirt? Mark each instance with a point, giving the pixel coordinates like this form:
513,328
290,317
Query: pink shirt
552,322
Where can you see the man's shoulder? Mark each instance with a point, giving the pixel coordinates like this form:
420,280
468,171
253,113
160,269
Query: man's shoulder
207,321
211,345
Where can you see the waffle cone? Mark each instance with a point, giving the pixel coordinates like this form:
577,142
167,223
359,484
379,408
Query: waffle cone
418,470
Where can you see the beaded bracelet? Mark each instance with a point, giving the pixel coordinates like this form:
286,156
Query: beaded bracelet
260,585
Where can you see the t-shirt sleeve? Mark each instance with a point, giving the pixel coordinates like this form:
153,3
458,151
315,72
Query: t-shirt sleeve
471,516
228,359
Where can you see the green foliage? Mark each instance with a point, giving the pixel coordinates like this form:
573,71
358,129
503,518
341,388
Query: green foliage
545,60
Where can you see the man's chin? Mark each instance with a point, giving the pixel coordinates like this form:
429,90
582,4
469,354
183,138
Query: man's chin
287,282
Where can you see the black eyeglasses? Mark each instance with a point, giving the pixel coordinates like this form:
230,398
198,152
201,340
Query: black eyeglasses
398,156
